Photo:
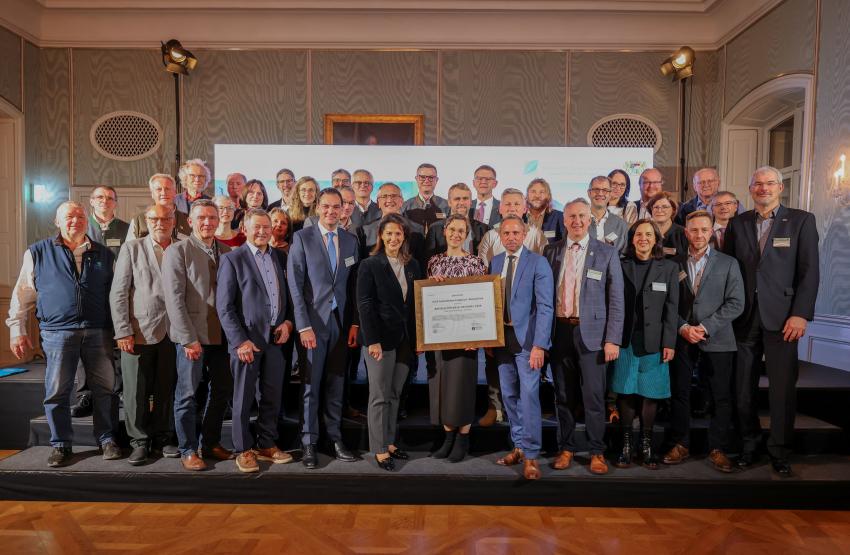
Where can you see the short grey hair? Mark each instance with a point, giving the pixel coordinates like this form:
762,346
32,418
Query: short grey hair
367,172
201,203
242,175
512,218
252,213
184,170
699,171
157,176
766,169
512,191
578,200
65,206
219,199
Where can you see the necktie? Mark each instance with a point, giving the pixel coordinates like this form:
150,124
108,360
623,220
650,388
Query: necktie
509,278
719,234
568,287
332,251
479,212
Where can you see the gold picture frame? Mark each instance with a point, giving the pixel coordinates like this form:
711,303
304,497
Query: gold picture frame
375,129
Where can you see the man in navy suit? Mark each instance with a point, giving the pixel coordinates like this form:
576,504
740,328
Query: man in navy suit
707,186
527,302
319,285
588,330
256,314
485,207
777,249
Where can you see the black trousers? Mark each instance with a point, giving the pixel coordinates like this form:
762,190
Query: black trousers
716,371
782,370
578,374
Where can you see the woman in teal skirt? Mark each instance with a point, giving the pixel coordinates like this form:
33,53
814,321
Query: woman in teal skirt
640,376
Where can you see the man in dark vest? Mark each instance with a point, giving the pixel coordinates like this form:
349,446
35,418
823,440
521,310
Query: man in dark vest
67,279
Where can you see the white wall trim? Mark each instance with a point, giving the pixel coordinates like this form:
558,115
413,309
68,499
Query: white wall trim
17,117
827,341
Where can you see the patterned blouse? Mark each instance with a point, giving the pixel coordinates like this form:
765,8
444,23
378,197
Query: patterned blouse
456,266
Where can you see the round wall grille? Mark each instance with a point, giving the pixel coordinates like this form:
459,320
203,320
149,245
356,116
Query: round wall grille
126,136
624,130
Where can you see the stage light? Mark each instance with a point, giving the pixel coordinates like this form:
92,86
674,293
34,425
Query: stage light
680,64
177,59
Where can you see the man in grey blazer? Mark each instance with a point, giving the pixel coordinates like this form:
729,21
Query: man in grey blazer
711,296
189,281
605,226
140,319
426,207
320,272
587,332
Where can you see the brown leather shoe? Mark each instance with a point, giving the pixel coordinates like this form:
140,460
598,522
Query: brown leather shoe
193,462
274,455
217,452
677,455
247,462
563,460
720,461
531,470
514,457
488,419
598,464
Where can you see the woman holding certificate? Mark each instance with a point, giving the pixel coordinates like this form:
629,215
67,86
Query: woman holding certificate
641,376
452,387
387,331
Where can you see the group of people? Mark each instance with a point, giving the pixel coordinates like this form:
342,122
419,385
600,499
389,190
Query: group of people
205,299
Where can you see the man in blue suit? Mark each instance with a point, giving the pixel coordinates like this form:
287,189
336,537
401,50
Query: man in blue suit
587,333
527,302
256,314
319,285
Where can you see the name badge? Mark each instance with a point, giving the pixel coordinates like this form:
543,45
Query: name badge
656,286
441,215
549,233
669,251
611,237
113,242
682,275
779,242
594,274
349,262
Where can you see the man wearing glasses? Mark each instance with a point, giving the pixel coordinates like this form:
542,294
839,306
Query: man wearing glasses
651,183
365,211
390,202
777,250
485,208
163,192
194,175
285,181
426,207
706,184
340,178
724,206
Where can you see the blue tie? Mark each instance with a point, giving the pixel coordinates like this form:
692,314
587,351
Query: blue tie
332,257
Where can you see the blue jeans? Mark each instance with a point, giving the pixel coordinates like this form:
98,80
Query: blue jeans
215,362
63,350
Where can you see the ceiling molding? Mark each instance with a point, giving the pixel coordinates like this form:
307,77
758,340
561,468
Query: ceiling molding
638,25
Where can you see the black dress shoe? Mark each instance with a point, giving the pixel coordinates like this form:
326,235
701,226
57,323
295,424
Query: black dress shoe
138,456
399,454
781,467
386,464
83,407
309,457
746,460
59,456
342,453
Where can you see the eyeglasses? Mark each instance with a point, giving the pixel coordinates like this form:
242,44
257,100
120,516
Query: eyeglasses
659,182
615,185
159,220
286,181
765,184
362,183
388,196
661,207
104,197
727,204
226,209
707,182
343,180
598,191
196,175
348,203
484,179
421,177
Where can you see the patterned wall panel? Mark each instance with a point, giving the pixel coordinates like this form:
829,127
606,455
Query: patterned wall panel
704,104
374,83
605,83
503,98
781,42
251,97
112,80
832,138
47,128
10,67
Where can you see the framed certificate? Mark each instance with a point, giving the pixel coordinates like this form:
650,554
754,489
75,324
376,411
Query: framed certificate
458,313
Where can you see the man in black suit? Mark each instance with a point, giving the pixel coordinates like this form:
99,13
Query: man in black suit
460,198
706,185
777,249
390,202
485,208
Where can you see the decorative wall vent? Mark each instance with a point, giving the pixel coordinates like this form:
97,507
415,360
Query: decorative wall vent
126,136
624,130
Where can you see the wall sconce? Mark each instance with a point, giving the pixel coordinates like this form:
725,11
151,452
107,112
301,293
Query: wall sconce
40,194
680,64
840,184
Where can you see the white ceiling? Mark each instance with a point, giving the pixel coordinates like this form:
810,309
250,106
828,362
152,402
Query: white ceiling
391,24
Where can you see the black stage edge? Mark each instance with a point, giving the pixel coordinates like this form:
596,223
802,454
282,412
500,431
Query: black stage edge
820,482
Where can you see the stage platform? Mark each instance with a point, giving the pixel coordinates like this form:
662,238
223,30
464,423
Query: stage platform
821,482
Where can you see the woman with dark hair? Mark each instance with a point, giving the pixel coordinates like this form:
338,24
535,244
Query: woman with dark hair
387,332
303,203
641,376
619,204
254,196
663,209
452,387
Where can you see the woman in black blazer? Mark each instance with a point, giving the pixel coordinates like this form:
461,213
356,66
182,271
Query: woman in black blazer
640,375
387,331
673,241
